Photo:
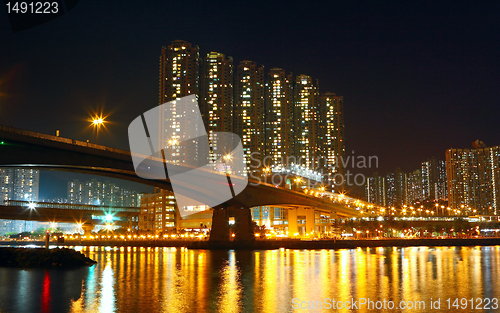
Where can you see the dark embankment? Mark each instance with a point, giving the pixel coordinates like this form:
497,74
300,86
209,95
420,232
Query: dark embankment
39,257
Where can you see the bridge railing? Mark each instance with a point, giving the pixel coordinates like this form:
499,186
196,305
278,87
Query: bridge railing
61,139
68,206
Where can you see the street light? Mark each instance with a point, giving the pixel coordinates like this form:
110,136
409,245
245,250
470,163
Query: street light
266,172
97,122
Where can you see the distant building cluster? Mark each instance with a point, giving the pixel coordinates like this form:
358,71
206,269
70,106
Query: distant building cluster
18,184
23,184
468,180
398,189
281,119
96,192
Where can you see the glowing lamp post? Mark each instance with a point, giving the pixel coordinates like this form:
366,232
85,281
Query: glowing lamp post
97,122
266,172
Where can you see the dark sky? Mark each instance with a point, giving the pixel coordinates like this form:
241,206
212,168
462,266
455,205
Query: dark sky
416,78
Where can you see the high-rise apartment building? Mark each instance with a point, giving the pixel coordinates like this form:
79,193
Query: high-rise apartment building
434,182
396,193
331,134
217,97
6,184
179,71
474,178
19,184
280,140
179,77
249,112
282,120
306,122
375,190
414,187
75,192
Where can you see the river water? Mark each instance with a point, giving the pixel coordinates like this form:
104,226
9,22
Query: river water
182,280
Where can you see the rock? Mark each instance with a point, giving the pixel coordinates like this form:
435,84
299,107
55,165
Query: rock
39,257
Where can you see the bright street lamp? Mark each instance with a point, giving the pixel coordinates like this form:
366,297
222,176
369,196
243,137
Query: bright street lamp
97,122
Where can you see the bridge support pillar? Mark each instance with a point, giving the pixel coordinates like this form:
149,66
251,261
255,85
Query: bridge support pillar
87,229
294,215
310,220
292,222
242,228
220,226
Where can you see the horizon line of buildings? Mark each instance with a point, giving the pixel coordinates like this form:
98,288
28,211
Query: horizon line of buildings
397,189
24,184
468,179
97,192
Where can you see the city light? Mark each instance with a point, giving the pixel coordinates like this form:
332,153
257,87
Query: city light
98,121
32,205
108,217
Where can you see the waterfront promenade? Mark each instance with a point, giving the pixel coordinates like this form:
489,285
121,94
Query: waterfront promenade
275,244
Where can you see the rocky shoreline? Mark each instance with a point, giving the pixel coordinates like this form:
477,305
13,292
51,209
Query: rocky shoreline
40,257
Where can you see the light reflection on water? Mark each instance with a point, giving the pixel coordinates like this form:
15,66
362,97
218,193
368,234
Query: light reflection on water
180,280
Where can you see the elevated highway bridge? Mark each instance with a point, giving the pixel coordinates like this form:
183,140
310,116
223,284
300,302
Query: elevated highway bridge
22,148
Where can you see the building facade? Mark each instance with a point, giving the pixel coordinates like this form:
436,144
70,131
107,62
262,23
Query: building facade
375,190
249,112
473,179
396,192
280,124
331,135
217,98
306,119
159,213
414,187
434,181
179,71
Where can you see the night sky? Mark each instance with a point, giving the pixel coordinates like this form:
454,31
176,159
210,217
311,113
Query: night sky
416,78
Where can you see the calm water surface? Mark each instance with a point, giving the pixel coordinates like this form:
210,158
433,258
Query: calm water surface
182,280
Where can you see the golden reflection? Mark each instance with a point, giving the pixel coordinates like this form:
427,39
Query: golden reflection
107,299
344,287
230,289
325,281
270,281
183,280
